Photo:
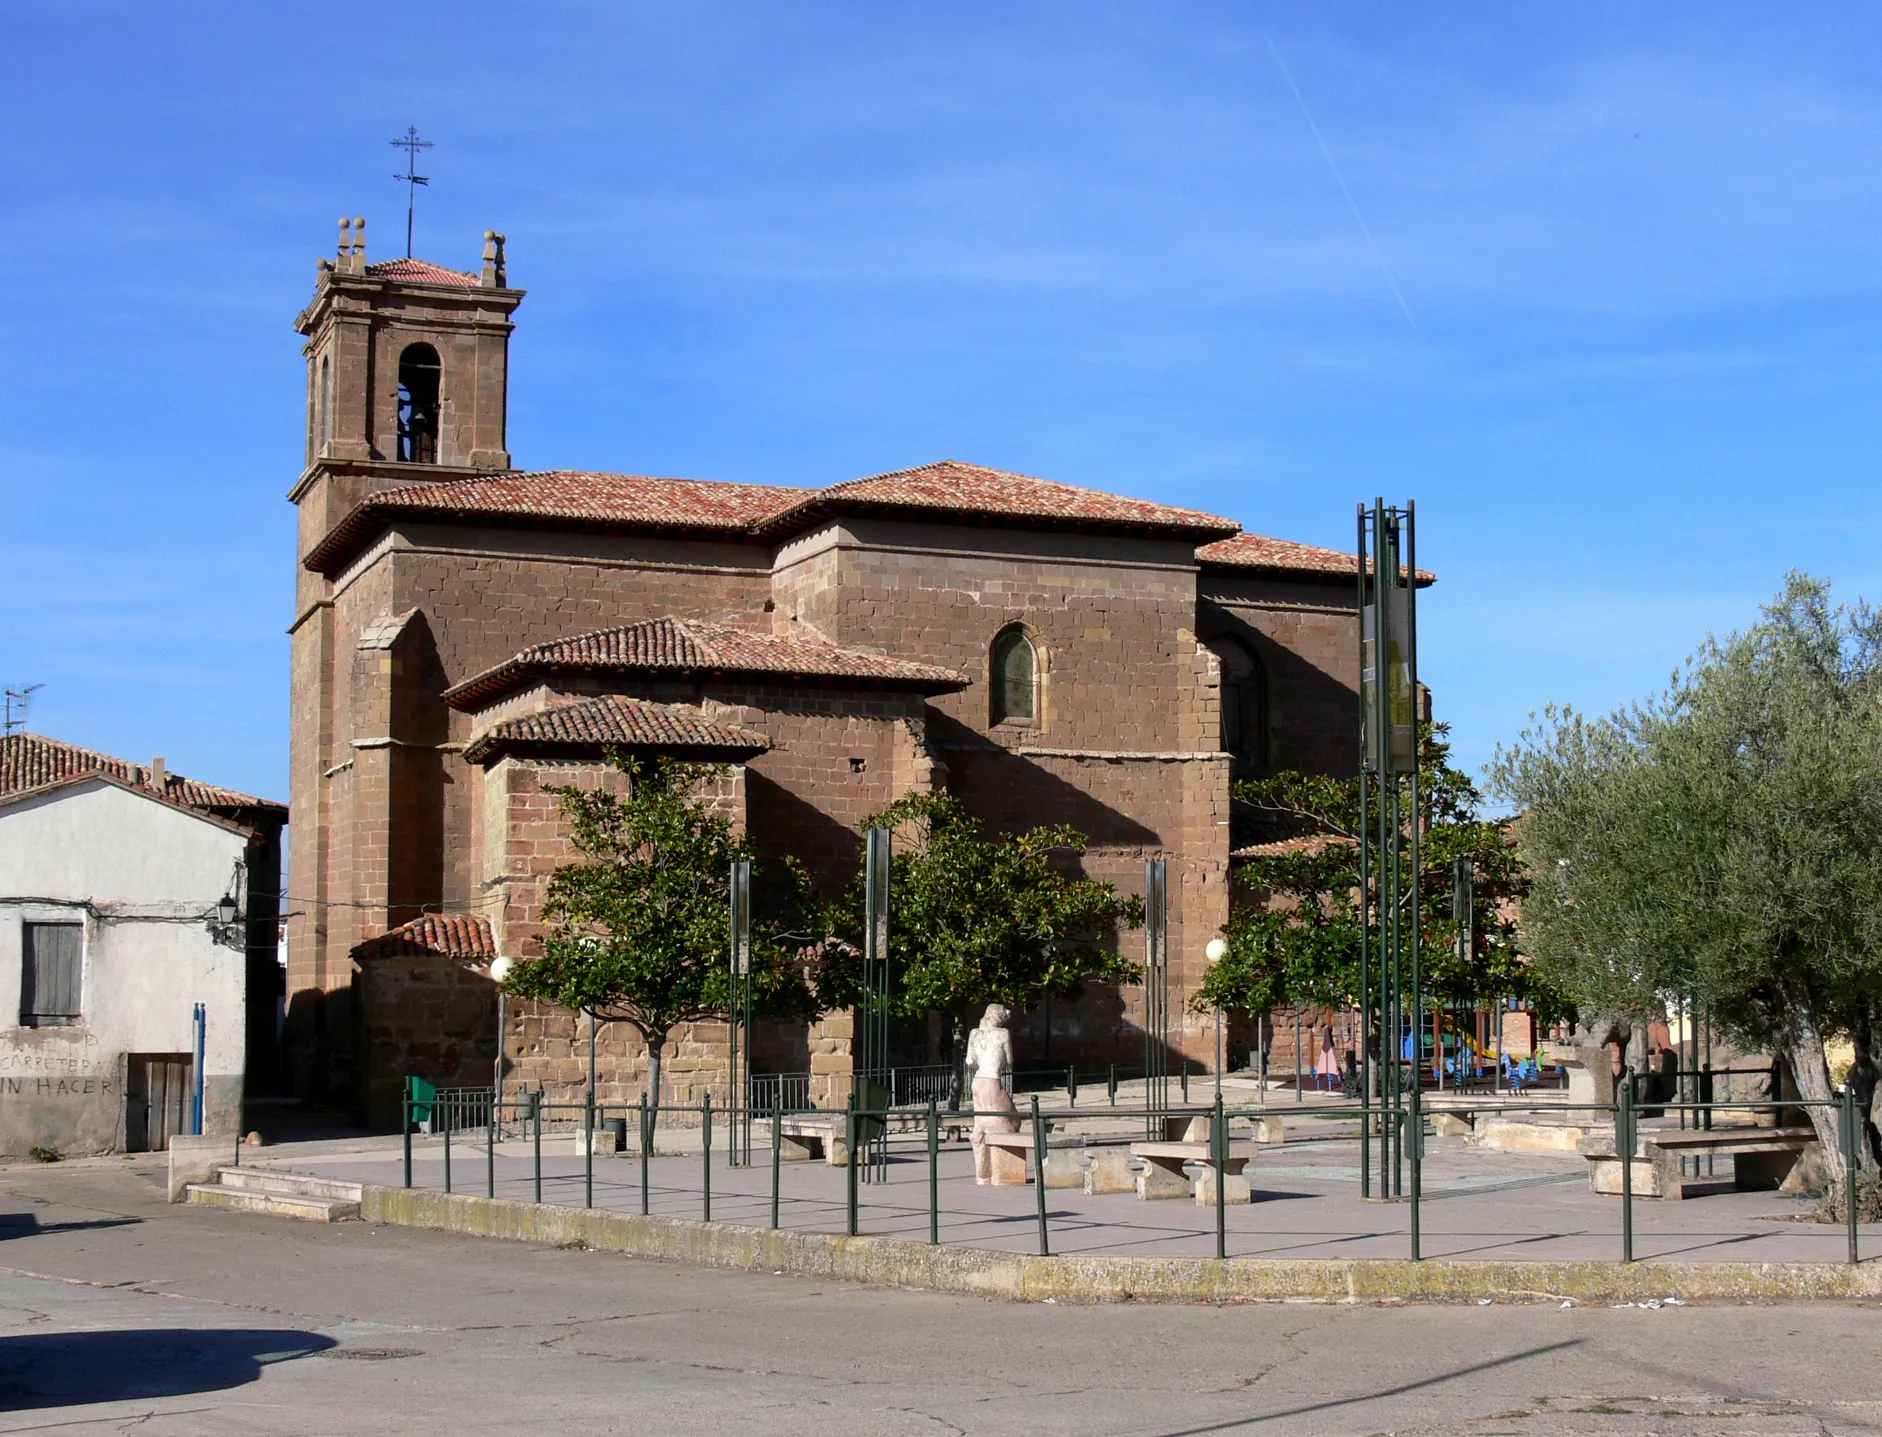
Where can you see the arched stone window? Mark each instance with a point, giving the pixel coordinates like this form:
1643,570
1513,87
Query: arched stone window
419,376
1013,678
1244,702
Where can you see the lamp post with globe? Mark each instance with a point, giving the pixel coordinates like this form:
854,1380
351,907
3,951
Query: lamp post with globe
1214,950
500,968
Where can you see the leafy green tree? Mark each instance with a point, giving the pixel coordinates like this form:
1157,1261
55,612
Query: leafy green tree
979,917
1294,933
1724,839
639,930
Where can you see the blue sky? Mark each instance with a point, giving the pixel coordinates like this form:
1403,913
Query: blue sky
1603,300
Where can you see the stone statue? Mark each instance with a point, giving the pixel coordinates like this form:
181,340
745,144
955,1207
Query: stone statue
989,1060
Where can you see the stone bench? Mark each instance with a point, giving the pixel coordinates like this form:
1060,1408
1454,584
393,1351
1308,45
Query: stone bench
806,1137
1163,1175
1009,1161
1763,1160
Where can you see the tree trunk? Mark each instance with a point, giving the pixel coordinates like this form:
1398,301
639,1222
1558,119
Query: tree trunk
1802,1048
656,1049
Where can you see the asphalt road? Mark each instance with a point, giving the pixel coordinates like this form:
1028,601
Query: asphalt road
119,1313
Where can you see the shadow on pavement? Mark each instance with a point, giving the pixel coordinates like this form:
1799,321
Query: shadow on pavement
26,1224
60,1369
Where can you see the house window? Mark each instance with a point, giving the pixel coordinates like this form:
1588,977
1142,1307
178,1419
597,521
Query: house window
49,975
1244,703
419,377
1015,679
326,401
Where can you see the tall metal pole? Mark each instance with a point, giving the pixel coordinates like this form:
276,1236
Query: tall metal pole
1367,680
872,1090
739,1034
1157,997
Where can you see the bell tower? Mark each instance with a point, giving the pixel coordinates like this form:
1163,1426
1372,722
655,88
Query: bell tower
407,364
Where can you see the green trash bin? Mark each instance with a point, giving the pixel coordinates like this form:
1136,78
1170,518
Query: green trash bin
424,1097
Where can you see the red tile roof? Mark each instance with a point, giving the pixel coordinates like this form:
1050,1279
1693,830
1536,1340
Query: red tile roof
613,719
1282,556
419,271
445,935
953,490
691,646
563,497
30,760
1307,845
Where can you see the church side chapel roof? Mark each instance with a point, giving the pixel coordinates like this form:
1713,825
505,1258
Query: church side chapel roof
693,646
419,271
442,935
952,490
948,491
1282,556
616,719
30,760
560,496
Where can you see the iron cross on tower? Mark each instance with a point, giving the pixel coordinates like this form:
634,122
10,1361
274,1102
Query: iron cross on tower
411,144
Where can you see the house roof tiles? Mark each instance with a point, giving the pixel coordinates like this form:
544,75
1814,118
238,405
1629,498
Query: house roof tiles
30,760
614,719
420,271
674,645
1282,556
446,935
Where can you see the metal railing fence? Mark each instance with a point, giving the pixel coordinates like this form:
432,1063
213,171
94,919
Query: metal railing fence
530,1115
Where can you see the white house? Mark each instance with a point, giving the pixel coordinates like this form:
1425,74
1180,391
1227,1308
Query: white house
128,895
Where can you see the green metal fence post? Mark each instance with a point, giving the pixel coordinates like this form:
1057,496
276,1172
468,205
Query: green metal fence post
646,1146
705,1155
849,1172
1218,1153
1417,1120
777,1147
490,1149
535,1123
934,1179
406,1108
1111,1086
1624,1141
1039,1174
445,1108
588,1150
1071,1087
1186,1080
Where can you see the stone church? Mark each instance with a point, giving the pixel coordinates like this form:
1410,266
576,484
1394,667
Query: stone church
468,633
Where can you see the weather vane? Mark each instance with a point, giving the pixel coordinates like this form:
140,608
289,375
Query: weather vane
411,144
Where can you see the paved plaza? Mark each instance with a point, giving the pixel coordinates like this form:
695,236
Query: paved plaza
1307,1198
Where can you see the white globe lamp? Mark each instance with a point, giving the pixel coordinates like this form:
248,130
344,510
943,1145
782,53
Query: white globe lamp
501,968
1215,950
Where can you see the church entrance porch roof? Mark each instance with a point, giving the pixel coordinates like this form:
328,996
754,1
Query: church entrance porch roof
615,719
692,646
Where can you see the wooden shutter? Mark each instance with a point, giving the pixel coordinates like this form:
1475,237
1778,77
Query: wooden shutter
49,974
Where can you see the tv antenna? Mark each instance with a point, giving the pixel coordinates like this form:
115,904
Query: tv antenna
18,703
411,144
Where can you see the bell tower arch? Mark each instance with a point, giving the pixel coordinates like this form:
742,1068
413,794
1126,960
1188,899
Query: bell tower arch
408,362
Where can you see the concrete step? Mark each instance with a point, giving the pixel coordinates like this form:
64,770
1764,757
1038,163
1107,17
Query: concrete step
277,1204
270,1180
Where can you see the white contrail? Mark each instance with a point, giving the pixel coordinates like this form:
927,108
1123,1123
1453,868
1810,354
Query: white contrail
1345,189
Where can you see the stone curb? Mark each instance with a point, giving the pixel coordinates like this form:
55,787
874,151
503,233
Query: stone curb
1022,1277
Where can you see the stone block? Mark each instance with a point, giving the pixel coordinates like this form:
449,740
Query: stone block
1156,1183
195,1160
1269,1128
1235,1188
1453,1125
1110,1172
